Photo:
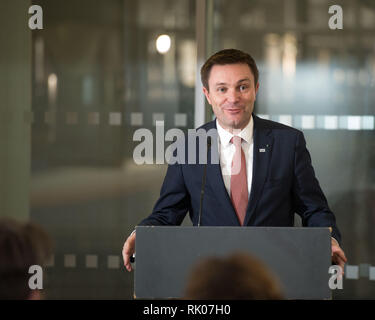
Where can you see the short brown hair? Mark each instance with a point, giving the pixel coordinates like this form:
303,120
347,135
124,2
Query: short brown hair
21,246
237,277
228,56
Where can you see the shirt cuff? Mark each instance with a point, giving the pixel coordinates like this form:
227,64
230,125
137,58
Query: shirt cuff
331,238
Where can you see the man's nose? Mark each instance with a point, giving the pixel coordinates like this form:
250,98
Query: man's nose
233,96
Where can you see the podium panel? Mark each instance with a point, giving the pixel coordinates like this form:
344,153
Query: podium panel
298,257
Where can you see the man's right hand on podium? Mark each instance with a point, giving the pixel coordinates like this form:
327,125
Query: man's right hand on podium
128,250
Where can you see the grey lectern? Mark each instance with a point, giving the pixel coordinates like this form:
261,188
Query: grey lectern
299,257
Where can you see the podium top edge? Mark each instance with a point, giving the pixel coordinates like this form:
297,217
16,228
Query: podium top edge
233,227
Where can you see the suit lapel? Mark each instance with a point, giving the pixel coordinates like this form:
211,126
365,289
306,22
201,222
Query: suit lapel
215,179
263,141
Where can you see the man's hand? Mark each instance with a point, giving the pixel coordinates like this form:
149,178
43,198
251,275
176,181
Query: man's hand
128,250
338,255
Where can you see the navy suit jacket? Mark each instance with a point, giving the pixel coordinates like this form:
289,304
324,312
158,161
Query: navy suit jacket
283,183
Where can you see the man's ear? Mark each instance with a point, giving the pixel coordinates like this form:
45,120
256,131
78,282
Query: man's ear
207,94
256,90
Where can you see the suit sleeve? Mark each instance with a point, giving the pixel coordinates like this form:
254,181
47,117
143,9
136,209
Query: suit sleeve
174,200
309,200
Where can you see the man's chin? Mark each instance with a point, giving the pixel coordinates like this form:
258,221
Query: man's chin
235,124
239,124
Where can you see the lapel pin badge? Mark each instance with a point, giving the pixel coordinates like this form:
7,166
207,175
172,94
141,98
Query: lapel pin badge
262,150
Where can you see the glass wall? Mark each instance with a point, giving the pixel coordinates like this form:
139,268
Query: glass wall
97,78
321,81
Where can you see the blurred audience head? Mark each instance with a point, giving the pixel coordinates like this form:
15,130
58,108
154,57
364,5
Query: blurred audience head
21,246
237,277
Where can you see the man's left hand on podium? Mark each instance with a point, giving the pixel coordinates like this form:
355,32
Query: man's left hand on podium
338,255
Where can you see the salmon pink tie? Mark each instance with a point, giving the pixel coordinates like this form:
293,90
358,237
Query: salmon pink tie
238,181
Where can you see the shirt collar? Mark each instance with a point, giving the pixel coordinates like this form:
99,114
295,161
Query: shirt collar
246,133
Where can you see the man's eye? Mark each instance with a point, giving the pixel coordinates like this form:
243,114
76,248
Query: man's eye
243,87
221,89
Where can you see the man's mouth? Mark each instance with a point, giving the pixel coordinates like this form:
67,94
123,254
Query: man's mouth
233,110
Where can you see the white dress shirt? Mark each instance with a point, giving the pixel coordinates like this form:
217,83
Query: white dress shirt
227,149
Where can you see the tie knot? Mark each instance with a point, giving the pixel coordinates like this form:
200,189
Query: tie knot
236,140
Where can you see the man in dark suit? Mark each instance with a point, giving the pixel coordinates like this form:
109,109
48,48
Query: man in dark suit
264,173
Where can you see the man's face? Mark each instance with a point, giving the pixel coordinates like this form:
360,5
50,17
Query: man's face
231,94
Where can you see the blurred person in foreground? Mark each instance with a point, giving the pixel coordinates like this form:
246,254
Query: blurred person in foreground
22,245
236,277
